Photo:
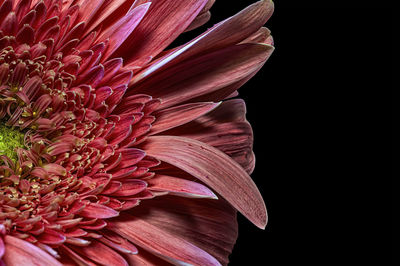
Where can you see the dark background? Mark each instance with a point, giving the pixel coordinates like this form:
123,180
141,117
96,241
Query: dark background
321,115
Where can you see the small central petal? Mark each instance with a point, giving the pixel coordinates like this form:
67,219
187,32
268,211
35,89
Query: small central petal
10,139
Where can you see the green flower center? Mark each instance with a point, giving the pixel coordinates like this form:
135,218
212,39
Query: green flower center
10,139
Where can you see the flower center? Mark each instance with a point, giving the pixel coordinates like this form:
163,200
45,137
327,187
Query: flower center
10,139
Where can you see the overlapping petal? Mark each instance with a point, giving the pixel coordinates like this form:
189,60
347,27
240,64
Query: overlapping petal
131,153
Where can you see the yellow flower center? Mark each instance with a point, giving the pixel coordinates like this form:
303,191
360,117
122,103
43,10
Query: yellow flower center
10,139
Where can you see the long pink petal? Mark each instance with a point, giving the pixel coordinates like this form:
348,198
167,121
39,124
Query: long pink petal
226,129
223,34
20,253
165,21
95,210
179,115
208,224
203,16
204,74
180,187
101,254
88,9
118,33
108,7
159,242
214,168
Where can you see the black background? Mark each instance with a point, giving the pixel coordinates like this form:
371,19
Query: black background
320,110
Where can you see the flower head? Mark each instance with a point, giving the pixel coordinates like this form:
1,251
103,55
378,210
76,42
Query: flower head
116,151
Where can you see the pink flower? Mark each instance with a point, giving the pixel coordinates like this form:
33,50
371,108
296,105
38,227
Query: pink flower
115,151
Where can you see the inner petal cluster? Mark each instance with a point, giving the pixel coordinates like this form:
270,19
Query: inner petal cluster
68,159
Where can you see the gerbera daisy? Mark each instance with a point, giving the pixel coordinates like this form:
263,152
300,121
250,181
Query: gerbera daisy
115,150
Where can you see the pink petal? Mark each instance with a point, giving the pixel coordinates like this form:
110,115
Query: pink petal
122,29
107,9
204,74
101,254
130,188
94,210
223,34
165,21
88,9
226,129
2,247
161,243
179,115
212,227
199,21
20,253
214,168
180,187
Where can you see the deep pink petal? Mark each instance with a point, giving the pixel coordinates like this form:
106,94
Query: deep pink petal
165,21
101,254
223,34
179,115
160,242
204,74
95,210
21,253
118,33
209,224
214,168
180,187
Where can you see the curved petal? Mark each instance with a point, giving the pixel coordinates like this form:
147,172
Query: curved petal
222,35
204,74
159,242
19,253
214,168
209,224
179,115
226,129
165,21
121,30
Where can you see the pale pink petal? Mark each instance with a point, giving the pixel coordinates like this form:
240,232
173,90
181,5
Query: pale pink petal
223,34
159,242
118,33
215,169
165,21
20,253
204,74
179,115
180,187
209,224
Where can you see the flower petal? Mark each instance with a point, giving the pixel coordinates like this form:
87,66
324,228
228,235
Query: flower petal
226,129
204,74
179,115
121,30
222,35
19,252
165,21
180,187
209,224
215,169
95,210
101,254
159,242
